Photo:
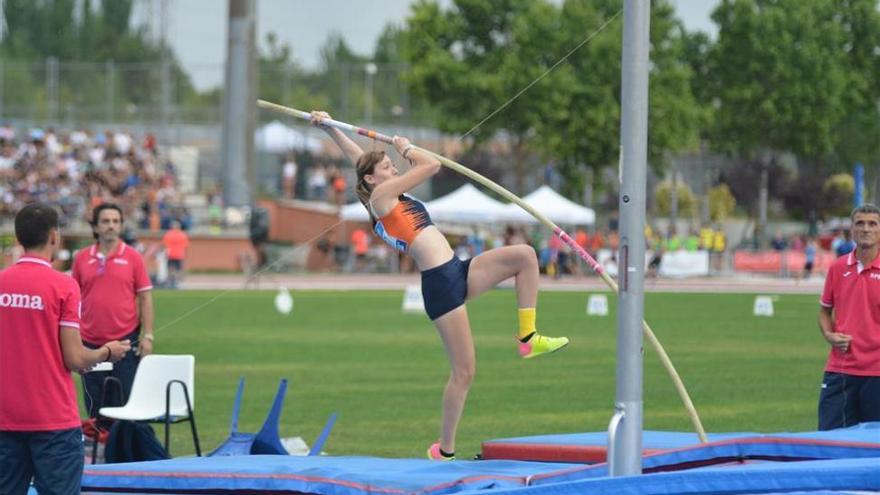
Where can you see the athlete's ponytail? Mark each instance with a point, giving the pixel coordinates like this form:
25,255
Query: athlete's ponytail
365,165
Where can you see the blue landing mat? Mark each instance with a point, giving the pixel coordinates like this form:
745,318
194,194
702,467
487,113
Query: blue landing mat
836,462
279,474
837,476
590,447
325,475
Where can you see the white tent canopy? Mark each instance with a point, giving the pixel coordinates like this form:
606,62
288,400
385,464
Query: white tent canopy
467,204
554,206
464,205
354,212
276,137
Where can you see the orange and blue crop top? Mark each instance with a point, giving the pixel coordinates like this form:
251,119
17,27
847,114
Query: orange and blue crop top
400,226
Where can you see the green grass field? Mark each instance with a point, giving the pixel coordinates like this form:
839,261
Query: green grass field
356,353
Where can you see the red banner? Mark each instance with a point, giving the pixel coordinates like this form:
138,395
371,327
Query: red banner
771,261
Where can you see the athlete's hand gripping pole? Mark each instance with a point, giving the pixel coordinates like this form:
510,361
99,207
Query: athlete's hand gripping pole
649,334
378,136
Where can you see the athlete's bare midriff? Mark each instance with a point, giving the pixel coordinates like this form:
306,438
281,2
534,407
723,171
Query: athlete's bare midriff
430,248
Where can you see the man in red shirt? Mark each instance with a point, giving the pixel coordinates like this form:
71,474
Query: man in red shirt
117,304
175,242
849,320
40,434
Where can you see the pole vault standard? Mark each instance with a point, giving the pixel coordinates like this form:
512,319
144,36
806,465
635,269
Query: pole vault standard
625,428
649,334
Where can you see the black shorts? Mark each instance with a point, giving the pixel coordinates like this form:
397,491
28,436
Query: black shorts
444,287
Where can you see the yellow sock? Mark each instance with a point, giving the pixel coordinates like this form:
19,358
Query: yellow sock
526,322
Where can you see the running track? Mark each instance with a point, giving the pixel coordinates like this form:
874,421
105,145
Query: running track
325,281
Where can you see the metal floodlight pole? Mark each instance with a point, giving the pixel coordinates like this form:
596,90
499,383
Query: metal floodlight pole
239,121
625,430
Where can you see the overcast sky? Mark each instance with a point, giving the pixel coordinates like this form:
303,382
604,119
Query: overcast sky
197,28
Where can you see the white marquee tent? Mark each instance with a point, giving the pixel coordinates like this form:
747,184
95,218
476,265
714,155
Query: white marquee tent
554,206
467,204
276,137
354,212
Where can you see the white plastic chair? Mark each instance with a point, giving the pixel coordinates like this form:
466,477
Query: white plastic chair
163,392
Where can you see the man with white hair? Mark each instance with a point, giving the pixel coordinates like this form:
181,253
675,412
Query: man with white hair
849,319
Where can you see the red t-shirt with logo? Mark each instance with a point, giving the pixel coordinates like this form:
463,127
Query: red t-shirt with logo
36,389
854,293
109,288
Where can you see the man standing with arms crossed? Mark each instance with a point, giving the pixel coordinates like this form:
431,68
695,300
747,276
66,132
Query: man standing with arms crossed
116,302
40,434
849,320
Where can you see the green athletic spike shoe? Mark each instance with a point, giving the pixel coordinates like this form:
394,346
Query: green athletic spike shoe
539,344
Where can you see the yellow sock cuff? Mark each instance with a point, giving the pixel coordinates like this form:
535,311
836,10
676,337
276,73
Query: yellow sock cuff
526,322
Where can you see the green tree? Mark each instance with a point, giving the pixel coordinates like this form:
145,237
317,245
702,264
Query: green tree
88,31
696,52
687,201
341,76
779,77
37,30
393,100
743,178
837,194
721,203
283,81
278,72
859,130
783,79
115,16
585,128
470,60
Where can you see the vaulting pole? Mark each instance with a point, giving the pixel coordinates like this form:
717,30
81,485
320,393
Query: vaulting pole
648,333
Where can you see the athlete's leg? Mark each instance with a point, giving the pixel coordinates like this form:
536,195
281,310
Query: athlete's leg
455,331
490,268
496,265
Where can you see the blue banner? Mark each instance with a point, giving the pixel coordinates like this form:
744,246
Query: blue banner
859,175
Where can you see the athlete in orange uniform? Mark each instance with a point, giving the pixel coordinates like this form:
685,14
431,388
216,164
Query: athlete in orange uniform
447,282
403,223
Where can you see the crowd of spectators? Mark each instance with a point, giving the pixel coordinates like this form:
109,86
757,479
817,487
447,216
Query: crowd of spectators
77,170
326,182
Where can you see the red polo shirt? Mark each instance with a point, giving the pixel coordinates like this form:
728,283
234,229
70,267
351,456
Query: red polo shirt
854,293
109,289
36,389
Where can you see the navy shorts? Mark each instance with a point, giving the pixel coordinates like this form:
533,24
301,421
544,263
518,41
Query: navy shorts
53,458
847,400
444,287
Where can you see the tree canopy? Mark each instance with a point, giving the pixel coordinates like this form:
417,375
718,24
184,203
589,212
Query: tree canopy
782,78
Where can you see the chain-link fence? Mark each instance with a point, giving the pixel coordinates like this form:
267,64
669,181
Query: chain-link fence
68,94
72,93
